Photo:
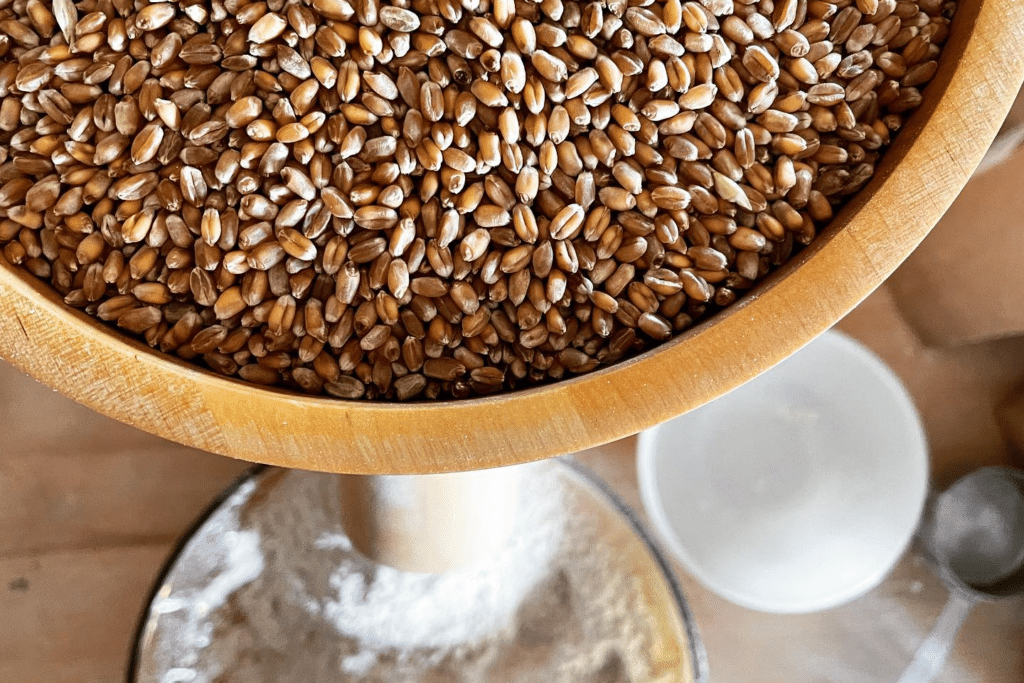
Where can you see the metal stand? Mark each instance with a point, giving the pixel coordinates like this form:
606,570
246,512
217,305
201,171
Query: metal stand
558,583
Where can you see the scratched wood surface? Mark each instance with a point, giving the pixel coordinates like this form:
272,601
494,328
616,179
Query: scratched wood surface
981,71
90,508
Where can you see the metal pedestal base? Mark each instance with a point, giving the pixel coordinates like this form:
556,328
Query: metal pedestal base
268,588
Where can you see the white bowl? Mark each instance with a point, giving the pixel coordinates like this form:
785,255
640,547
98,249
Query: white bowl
799,490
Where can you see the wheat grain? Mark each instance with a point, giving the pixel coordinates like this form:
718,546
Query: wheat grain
423,200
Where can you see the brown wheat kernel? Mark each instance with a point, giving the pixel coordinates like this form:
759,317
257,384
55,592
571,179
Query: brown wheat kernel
408,202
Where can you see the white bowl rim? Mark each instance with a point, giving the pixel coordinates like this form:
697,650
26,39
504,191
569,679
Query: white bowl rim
916,492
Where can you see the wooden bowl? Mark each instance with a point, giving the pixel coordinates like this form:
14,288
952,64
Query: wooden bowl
980,72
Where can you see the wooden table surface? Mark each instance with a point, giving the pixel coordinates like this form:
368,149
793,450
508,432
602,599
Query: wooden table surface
90,509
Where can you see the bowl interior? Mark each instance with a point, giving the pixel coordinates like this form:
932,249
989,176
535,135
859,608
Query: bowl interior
797,491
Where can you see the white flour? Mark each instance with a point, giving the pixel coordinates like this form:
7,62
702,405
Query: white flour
385,608
293,603
403,610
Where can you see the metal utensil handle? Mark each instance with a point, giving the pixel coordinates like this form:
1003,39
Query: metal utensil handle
931,656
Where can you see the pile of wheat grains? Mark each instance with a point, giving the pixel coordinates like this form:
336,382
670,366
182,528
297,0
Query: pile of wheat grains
433,198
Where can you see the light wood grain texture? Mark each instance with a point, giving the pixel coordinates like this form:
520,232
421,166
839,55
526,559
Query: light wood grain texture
104,499
1010,417
956,390
980,74
963,284
71,616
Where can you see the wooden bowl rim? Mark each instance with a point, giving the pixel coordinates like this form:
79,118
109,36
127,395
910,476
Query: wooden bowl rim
918,179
